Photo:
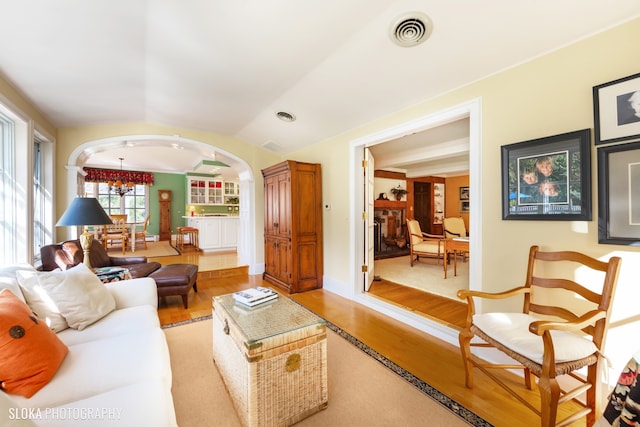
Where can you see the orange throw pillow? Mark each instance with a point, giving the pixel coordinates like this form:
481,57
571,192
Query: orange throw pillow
30,353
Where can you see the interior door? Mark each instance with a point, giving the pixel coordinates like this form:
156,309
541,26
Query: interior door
368,219
422,204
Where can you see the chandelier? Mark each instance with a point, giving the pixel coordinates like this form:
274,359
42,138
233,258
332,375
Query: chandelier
119,187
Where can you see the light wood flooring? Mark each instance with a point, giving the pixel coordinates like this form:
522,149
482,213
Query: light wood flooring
437,363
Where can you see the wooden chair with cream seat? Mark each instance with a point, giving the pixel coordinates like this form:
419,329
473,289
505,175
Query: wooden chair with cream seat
454,227
141,235
423,244
116,232
548,339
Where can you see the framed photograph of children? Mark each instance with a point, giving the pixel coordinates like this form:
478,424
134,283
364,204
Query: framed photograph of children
548,178
619,194
616,110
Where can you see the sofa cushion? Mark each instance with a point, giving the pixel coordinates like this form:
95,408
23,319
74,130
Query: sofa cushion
110,363
77,294
30,353
12,416
145,403
118,322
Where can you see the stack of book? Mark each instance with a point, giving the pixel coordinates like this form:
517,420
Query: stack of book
112,274
255,296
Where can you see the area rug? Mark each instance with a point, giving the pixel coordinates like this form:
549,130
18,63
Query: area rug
425,275
365,388
154,249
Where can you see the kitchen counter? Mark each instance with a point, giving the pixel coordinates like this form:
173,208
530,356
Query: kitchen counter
216,232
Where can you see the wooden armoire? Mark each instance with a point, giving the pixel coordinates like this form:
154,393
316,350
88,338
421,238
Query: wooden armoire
293,226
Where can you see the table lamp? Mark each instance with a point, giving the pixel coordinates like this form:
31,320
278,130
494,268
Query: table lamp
84,211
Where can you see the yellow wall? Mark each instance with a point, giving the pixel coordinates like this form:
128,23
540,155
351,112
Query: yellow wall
547,96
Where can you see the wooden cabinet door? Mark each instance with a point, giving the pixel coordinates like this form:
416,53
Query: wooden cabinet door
270,205
277,260
283,206
283,262
270,257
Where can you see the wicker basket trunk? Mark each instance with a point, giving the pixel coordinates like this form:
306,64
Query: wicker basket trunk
273,360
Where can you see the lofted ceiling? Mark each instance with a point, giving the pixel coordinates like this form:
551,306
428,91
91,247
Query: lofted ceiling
229,66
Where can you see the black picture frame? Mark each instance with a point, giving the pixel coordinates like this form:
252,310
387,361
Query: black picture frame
616,110
464,193
548,178
619,194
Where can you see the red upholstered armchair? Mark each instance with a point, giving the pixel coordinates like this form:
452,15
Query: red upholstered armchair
68,254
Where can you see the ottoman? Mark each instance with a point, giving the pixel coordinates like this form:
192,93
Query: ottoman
176,279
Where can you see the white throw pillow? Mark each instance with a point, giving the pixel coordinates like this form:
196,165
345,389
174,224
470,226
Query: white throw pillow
77,294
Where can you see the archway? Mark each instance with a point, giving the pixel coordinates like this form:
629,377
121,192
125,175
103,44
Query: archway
247,227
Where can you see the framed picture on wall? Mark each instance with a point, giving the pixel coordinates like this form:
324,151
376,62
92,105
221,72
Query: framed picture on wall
619,194
548,178
464,193
616,110
464,206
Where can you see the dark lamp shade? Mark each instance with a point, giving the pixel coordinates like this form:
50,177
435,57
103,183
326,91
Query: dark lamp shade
84,211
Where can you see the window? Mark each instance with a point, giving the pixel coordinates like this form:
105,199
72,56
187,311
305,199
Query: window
39,201
23,219
7,189
135,203
43,222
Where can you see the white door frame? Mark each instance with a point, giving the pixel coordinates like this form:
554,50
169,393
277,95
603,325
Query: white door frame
471,109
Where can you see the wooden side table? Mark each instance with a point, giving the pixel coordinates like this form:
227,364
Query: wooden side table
452,245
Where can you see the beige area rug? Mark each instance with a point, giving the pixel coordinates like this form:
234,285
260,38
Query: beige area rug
154,249
425,275
362,391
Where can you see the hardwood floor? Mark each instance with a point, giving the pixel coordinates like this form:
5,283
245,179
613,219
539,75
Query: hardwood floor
437,363
444,310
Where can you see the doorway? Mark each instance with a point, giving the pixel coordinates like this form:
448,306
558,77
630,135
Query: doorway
422,204
470,110
247,252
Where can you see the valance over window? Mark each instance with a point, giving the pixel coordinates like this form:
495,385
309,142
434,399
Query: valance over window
106,175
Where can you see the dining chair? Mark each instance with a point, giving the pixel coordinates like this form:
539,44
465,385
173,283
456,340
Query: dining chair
454,227
560,330
141,235
116,232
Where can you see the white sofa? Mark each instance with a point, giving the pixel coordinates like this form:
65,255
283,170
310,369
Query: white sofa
117,371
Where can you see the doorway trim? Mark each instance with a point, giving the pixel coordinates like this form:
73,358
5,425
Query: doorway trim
471,109
247,226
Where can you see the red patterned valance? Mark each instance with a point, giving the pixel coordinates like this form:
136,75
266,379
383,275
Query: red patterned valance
106,175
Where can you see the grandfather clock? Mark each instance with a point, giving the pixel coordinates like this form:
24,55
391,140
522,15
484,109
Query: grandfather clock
164,196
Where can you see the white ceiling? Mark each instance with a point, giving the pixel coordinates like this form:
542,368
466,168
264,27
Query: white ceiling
227,66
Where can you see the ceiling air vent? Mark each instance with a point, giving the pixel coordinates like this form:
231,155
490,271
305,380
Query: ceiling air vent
285,117
411,29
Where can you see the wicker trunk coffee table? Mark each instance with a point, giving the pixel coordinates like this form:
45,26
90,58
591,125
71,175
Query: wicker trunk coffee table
272,359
